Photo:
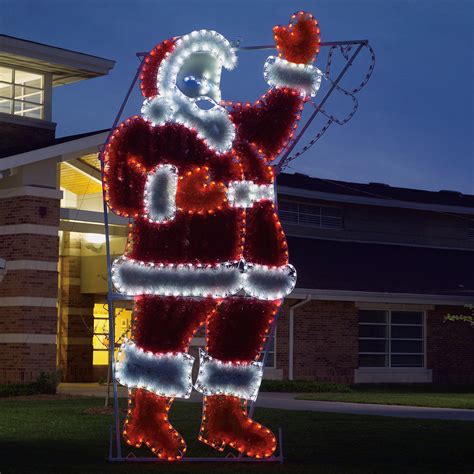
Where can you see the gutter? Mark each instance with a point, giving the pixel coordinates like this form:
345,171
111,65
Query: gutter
291,339
383,297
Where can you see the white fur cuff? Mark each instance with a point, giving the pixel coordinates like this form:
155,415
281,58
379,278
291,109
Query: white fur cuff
167,375
245,193
160,193
280,73
240,380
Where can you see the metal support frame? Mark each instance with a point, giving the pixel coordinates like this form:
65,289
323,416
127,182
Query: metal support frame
295,141
115,428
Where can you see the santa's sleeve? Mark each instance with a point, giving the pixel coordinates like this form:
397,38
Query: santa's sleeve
126,160
270,122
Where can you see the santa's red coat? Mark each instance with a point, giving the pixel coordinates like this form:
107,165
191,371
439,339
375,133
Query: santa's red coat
228,233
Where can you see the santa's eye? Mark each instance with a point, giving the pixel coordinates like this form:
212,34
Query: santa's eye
191,85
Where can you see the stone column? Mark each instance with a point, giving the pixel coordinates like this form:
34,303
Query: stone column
29,222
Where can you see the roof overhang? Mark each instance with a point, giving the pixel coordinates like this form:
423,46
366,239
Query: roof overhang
381,297
373,201
66,66
63,151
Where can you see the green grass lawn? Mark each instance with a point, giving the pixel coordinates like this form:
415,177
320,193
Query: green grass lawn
415,396
42,436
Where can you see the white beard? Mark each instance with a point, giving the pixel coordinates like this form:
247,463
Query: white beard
214,126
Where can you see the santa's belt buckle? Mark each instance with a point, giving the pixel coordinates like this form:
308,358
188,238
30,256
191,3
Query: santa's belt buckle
246,193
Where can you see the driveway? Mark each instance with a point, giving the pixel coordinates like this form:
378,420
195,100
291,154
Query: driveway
286,401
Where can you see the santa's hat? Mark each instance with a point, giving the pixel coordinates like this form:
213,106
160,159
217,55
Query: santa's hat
151,64
162,65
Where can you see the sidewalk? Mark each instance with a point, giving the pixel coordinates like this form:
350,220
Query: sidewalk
286,401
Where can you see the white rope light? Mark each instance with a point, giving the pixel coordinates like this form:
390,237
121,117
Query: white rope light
160,194
133,277
246,193
237,379
214,125
303,77
166,375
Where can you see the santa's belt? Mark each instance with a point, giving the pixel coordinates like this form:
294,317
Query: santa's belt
134,278
246,193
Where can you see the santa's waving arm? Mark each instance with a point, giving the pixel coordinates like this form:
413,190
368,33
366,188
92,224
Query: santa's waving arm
270,122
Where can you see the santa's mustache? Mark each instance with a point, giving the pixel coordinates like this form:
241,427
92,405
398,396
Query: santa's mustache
212,124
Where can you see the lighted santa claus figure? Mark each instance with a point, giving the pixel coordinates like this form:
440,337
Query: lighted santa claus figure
205,244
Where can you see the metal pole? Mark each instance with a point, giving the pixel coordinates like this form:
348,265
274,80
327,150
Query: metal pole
110,299
111,310
273,328
272,46
292,145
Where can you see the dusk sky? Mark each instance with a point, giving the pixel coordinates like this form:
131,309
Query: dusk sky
415,123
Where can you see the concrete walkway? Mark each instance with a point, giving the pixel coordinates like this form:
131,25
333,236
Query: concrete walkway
286,401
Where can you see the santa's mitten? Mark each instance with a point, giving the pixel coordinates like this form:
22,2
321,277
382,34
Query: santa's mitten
198,193
298,45
299,42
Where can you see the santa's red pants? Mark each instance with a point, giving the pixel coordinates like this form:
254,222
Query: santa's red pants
236,331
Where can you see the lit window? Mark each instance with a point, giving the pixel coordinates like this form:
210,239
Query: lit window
293,212
391,338
101,331
21,93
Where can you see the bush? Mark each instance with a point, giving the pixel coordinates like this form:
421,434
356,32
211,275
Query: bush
303,386
46,383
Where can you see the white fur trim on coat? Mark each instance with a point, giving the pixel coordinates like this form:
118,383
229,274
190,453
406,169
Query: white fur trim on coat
166,375
303,77
240,380
246,193
134,278
160,193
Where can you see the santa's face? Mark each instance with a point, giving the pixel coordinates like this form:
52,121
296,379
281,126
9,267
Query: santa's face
199,77
189,88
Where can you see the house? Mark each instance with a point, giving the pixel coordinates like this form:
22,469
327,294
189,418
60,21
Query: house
379,267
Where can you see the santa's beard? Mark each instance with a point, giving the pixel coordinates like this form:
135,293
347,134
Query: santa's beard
214,126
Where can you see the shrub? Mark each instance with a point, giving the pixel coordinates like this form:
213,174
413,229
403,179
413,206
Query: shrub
46,383
303,386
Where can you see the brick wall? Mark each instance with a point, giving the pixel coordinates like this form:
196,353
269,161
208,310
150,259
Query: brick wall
449,347
29,289
29,210
76,315
22,363
325,341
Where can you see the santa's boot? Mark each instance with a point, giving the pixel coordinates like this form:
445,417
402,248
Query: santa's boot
154,381
225,421
147,422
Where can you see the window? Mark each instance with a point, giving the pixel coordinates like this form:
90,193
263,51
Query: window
391,338
470,232
271,360
293,212
100,341
21,93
